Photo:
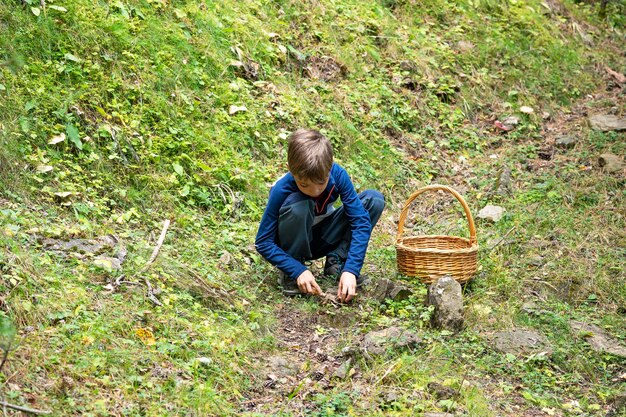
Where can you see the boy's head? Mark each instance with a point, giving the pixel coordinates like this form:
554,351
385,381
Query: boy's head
310,158
309,155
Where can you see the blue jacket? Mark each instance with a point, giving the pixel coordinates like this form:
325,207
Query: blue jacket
339,186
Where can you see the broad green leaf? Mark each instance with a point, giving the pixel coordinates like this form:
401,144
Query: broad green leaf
185,191
73,136
36,11
7,332
2,87
178,169
58,8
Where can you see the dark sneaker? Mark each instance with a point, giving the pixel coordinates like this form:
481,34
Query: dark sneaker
333,265
287,285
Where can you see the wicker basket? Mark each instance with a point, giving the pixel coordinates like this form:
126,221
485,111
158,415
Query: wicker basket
430,257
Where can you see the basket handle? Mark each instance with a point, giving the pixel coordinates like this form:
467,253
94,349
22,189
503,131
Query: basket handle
437,187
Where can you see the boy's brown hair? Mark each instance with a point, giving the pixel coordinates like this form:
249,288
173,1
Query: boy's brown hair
309,155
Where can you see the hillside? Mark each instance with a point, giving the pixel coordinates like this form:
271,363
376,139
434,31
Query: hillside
116,116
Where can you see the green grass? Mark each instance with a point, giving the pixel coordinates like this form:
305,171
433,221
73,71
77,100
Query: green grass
142,89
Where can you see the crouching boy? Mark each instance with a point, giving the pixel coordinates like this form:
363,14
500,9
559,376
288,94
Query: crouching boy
300,223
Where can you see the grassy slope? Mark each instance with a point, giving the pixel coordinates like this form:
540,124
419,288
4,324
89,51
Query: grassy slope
148,86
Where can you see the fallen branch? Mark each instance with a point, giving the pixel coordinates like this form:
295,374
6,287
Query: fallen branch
150,290
23,409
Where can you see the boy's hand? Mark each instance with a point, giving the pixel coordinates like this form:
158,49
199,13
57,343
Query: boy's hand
347,287
307,284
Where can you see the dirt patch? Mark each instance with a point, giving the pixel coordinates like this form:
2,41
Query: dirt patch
307,363
324,68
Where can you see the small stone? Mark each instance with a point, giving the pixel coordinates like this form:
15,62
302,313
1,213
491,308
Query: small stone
611,163
441,392
607,122
344,370
565,142
445,295
511,121
204,360
490,212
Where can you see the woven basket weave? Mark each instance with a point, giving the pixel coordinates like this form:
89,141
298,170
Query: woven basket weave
430,257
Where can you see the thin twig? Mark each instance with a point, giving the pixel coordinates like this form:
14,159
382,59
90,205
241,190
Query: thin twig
387,372
155,253
23,409
501,240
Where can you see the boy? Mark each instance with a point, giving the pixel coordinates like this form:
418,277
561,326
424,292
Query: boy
300,224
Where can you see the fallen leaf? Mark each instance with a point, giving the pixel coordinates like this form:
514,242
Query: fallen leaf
620,78
42,169
146,336
63,194
57,139
526,109
236,109
498,125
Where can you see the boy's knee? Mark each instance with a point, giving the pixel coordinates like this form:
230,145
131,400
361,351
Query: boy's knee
297,209
373,200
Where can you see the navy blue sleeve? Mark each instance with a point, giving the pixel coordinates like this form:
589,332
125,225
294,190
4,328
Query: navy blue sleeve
267,235
360,223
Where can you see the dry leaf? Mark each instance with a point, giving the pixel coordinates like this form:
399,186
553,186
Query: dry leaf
526,109
620,78
57,139
42,169
236,109
146,336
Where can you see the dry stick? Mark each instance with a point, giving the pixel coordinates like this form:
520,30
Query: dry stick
155,253
501,240
23,409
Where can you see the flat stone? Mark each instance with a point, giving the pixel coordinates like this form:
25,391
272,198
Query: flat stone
607,122
565,142
490,212
378,342
520,341
598,338
611,163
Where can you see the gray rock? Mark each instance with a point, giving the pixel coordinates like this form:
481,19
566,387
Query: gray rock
511,121
378,342
344,370
607,122
441,392
521,342
565,142
385,288
445,295
503,182
281,366
611,163
490,212
598,338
